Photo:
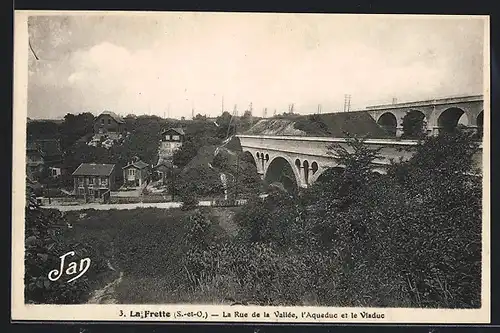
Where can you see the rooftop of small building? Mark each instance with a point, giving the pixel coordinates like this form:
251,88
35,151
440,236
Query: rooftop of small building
94,169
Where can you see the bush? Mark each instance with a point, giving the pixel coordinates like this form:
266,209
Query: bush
44,245
411,238
189,202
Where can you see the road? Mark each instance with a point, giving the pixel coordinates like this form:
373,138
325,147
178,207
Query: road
97,206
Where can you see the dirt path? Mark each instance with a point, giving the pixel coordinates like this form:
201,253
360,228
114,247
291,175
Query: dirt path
106,294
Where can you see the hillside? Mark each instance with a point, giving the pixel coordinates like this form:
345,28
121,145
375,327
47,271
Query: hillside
202,175
330,124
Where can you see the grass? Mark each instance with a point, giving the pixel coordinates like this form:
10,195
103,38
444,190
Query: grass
146,245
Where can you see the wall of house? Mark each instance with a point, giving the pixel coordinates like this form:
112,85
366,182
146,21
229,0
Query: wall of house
142,174
99,183
112,180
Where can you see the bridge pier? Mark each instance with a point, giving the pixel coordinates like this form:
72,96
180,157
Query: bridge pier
399,131
302,178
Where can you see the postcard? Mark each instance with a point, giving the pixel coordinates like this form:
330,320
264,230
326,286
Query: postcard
251,167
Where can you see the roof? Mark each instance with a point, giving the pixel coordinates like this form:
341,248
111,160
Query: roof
113,115
138,165
178,130
93,169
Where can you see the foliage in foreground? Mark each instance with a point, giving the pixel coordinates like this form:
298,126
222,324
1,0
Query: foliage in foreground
44,244
411,238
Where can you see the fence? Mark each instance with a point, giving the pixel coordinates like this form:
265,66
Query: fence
139,199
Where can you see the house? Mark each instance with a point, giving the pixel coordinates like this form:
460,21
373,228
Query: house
34,161
171,140
93,180
109,124
136,173
163,169
56,170
41,155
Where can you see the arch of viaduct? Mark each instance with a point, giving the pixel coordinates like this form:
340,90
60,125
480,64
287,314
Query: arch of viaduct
439,114
300,161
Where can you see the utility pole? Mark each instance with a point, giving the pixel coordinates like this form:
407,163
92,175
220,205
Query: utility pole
235,113
237,176
264,114
173,182
347,102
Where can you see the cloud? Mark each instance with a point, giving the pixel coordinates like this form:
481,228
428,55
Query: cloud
271,61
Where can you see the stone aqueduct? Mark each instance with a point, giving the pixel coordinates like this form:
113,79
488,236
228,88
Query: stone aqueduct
298,161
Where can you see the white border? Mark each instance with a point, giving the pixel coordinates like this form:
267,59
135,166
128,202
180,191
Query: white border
21,311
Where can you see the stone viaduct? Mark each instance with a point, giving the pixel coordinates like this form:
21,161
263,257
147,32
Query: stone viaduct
439,114
299,161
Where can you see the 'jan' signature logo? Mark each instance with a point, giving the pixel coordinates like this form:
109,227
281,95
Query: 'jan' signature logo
72,269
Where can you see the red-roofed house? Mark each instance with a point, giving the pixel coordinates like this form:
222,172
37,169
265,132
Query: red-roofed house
94,180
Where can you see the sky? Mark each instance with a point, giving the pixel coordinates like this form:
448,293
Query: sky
170,64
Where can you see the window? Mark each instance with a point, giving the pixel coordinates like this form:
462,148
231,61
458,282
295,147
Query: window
54,172
80,181
104,181
175,137
131,172
109,121
91,192
91,181
102,121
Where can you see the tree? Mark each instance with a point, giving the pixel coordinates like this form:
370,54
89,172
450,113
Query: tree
186,152
227,125
414,125
357,162
200,117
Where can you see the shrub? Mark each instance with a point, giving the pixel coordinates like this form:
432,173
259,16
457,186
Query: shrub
44,245
189,202
414,125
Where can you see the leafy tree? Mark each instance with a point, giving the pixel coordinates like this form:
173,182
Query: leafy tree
357,161
76,126
227,125
186,152
200,117
189,201
37,130
414,125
